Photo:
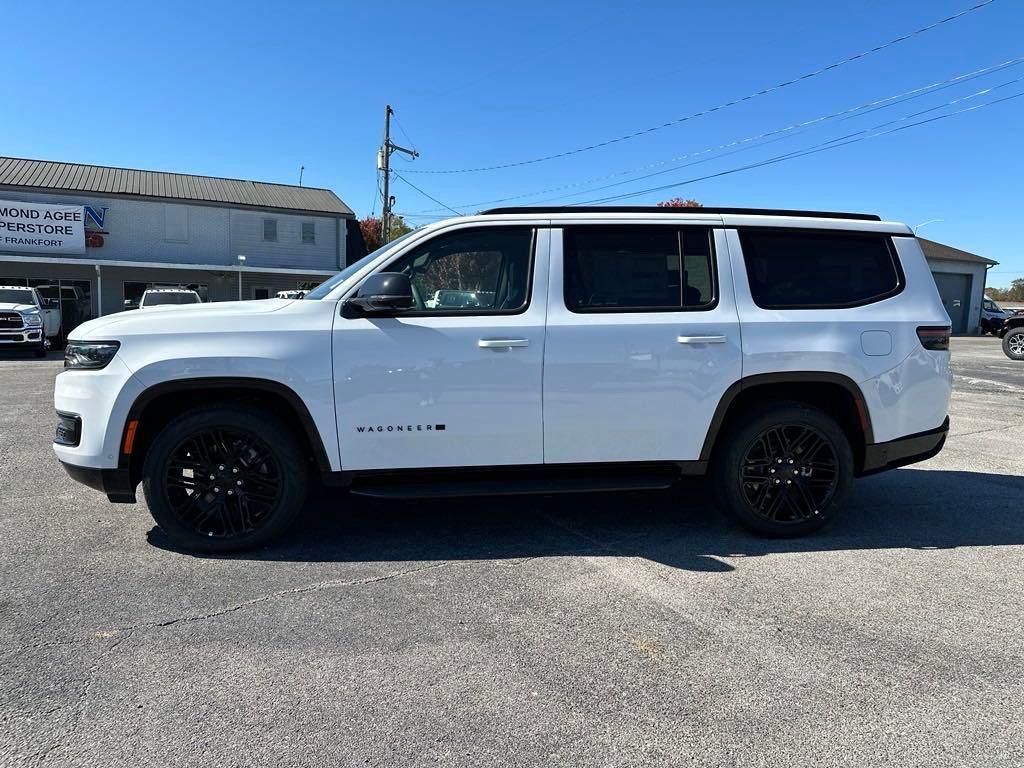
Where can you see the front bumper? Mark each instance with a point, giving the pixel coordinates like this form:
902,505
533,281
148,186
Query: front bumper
116,483
24,336
911,449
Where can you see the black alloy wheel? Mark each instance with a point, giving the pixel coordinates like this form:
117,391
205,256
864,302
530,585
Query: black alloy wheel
223,482
782,468
789,474
225,478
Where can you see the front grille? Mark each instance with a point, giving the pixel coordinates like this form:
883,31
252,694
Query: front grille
10,320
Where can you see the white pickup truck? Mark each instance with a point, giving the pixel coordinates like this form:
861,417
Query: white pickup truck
783,353
25,321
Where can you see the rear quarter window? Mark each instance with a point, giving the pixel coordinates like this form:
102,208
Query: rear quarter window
811,269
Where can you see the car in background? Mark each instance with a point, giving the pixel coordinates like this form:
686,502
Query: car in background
155,297
993,317
23,324
298,294
458,299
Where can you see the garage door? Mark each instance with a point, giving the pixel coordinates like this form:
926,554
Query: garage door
955,291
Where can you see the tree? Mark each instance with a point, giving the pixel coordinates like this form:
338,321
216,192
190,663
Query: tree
678,202
370,227
1014,293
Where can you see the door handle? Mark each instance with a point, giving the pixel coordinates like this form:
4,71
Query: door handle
502,343
701,339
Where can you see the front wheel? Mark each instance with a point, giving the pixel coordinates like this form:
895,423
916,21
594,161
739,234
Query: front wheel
1013,344
784,469
224,479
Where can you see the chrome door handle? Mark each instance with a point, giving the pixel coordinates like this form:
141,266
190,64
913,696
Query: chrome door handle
502,343
701,339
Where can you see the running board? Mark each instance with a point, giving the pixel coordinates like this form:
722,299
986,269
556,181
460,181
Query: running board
507,488
440,484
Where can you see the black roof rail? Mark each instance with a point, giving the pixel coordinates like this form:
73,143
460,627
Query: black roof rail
664,209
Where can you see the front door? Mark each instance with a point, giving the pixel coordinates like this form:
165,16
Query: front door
643,340
456,381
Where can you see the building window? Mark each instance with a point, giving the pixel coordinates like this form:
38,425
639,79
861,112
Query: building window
260,293
270,230
308,233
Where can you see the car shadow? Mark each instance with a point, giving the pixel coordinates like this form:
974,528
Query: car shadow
905,508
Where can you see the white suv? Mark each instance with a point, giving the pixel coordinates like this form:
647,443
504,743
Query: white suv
781,352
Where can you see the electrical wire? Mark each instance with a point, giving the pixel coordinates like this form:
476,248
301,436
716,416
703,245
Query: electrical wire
431,197
748,97
748,142
799,153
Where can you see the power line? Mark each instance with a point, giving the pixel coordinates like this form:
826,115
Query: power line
431,197
747,142
748,97
797,154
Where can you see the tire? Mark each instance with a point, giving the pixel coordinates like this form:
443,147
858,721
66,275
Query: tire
39,351
754,465
1013,344
253,500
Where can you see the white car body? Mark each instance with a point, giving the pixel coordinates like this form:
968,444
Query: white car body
24,321
168,297
544,386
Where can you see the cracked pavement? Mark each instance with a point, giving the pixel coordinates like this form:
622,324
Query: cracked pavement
613,629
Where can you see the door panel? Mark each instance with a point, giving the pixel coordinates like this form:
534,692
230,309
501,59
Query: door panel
955,290
453,390
635,386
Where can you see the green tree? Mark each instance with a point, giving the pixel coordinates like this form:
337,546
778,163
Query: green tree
1014,293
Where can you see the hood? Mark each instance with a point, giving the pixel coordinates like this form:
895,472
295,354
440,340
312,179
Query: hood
9,307
175,318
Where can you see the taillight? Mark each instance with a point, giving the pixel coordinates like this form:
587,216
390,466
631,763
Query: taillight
934,337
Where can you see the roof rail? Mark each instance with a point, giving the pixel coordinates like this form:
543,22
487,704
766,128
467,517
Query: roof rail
666,209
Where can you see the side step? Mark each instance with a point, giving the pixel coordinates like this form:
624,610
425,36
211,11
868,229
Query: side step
445,485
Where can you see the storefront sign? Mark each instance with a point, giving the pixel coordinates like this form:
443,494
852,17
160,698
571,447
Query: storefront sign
41,228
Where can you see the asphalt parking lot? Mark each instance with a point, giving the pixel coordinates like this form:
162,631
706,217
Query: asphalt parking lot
597,630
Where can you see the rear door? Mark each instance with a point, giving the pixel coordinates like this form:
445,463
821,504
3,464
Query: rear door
642,342
456,382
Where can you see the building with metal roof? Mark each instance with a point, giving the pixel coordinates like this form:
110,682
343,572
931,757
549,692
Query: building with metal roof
96,237
960,277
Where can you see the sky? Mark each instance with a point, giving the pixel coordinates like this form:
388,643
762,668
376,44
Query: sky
256,90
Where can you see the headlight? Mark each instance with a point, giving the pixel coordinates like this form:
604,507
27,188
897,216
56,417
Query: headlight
32,319
91,355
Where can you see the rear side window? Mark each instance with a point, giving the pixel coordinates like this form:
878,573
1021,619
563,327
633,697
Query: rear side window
808,269
638,269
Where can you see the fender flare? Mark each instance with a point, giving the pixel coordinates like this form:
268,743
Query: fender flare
787,377
269,386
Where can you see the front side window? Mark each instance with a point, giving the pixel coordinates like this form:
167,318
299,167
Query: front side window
809,269
270,230
638,268
470,271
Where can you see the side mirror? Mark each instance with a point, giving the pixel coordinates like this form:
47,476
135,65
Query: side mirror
383,293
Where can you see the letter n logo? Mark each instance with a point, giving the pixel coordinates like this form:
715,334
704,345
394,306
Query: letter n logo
98,215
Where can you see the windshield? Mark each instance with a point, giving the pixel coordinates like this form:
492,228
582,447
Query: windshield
991,306
328,285
153,299
16,296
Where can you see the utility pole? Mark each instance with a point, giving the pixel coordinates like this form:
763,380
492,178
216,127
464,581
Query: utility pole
384,165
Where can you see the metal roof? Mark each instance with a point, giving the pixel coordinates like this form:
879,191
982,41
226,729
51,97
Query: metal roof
75,177
933,250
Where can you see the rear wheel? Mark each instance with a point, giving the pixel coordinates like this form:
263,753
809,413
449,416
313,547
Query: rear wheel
783,469
1013,344
224,479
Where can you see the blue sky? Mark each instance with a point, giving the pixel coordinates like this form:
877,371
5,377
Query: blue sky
255,90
